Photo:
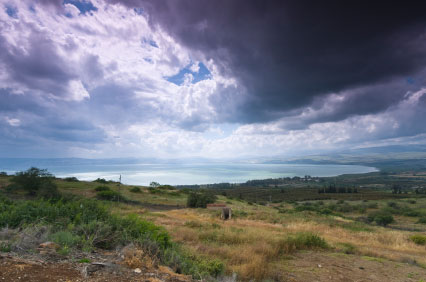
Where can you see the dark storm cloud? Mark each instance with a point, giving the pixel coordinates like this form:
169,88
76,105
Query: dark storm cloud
286,54
39,67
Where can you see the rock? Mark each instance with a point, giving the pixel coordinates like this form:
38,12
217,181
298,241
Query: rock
319,265
49,246
137,270
97,266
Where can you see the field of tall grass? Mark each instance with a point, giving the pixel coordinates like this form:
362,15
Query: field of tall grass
260,240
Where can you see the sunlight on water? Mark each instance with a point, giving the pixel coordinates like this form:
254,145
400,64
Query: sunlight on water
178,174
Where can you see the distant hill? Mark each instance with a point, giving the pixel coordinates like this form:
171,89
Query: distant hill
385,158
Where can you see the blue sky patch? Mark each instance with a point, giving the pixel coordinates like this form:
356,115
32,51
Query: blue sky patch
138,11
84,6
150,42
12,11
202,74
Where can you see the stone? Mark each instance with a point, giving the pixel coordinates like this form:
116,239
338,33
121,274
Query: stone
49,245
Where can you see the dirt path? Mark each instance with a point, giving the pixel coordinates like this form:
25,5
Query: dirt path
337,267
20,270
14,270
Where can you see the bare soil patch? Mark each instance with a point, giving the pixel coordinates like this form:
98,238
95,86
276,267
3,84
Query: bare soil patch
337,267
13,269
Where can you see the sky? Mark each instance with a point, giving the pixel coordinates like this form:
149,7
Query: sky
214,79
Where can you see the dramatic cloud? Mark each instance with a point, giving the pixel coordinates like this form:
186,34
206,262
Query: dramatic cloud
286,53
111,78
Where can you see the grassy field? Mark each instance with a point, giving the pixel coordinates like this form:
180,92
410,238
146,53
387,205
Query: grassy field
263,241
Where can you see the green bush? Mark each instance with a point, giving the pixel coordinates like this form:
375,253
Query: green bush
381,218
84,260
110,196
305,240
64,238
5,247
135,190
200,200
35,181
213,267
102,188
422,220
71,179
101,180
166,187
418,239
410,212
86,224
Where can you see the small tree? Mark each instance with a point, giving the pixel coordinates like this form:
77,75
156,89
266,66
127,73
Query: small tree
199,200
35,181
381,218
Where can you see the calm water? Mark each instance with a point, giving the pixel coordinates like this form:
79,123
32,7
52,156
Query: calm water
134,172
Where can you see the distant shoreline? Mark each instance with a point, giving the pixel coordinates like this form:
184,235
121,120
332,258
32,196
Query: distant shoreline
179,173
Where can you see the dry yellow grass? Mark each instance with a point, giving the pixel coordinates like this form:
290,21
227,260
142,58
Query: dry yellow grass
254,249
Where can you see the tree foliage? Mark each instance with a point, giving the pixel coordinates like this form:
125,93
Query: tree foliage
199,200
35,181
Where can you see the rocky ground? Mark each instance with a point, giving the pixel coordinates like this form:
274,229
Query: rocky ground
46,265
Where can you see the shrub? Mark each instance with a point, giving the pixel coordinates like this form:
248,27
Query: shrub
102,188
422,220
199,200
110,195
64,238
306,207
5,247
326,211
418,239
213,267
71,179
154,190
135,190
86,224
345,208
84,260
35,182
101,180
166,187
393,205
410,212
384,219
301,241
381,218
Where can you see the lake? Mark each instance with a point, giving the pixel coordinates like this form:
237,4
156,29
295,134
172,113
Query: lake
142,173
